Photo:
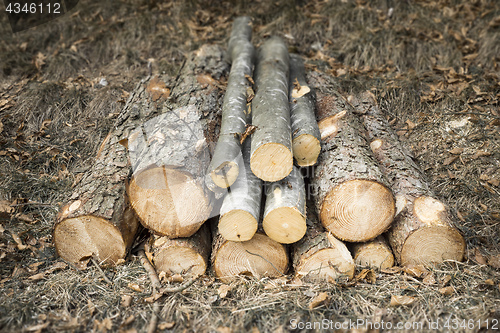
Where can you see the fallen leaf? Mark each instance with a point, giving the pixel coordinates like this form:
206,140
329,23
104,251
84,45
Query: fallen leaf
18,241
126,301
456,151
157,89
416,270
36,277
447,291
411,124
450,160
397,300
223,290
135,287
6,209
480,153
166,326
429,279
480,258
368,275
490,282
318,300
494,261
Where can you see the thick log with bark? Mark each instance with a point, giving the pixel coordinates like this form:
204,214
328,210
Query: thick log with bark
285,209
375,253
185,256
259,257
272,157
321,256
226,161
305,132
240,210
171,152
351,193
98,221
422,232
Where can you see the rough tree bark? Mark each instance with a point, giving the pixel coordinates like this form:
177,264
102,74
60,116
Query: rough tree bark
98,221
285,209
240,210
375,253
259,257
226,161
185,256
171,152
321,256
272,158
305,132
351,193
422,232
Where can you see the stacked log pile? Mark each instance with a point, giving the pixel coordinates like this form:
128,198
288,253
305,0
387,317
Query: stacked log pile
202,147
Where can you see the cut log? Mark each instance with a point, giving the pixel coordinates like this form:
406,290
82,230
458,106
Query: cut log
351,193
321,256
375,254
171,152
259,257
422,232
285,209
226,161
305,132
272,157
97,221
185,256
240,210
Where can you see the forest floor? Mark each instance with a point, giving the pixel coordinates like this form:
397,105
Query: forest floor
434,67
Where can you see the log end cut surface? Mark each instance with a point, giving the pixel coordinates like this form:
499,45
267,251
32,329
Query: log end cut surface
285,225
375,256
327,264
169,201
238,225
306,149
271,162
225,175
432,245
180,260
259,257
434,242
358,210
78,239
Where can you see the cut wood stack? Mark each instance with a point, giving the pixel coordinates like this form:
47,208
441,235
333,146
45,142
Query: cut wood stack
352,195
422,232
173,178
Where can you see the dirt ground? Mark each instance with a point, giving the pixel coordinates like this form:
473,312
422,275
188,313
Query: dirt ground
434,67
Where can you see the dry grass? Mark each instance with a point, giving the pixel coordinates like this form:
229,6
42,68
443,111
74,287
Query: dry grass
431,65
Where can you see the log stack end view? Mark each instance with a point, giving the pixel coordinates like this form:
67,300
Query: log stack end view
274,169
